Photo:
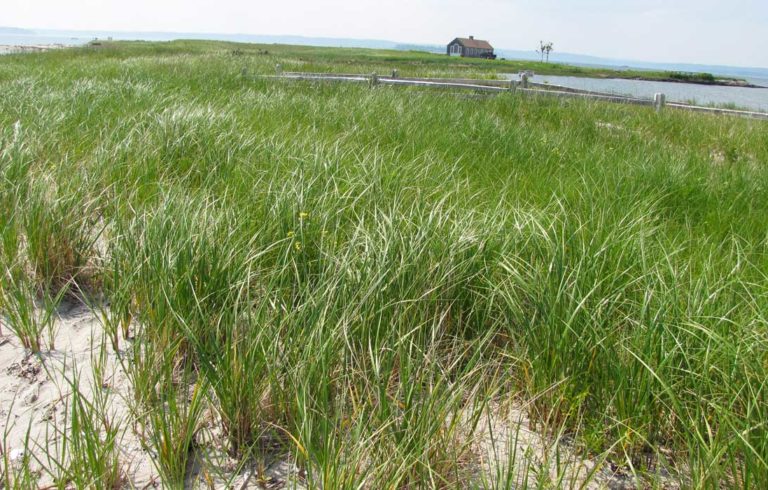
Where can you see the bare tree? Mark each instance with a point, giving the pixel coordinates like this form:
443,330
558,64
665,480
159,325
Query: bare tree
545,49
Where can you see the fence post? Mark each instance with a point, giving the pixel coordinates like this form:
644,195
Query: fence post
659,101
512,85
374,79
279,70
394,73
524,79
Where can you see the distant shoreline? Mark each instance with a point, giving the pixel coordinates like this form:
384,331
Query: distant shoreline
598,73
21,49
728,82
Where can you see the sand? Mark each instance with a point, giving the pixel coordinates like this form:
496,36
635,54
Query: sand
34,392
34,395
34,389
16,49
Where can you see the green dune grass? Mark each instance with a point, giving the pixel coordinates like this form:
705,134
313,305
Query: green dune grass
361,274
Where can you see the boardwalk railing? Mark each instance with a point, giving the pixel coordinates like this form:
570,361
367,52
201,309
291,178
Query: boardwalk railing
524,86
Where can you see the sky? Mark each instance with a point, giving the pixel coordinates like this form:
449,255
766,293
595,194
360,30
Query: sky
728,32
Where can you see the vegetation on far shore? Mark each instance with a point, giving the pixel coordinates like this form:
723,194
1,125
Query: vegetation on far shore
361,278
369,60
370,57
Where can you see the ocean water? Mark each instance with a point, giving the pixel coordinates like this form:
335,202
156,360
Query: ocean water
35,40
751,98
762,81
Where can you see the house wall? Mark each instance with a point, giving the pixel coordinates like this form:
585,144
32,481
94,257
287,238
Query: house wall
466,52
476,52
452,52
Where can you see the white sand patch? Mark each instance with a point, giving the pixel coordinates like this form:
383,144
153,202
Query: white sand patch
33,400
18,49
34,391
33,403
514,455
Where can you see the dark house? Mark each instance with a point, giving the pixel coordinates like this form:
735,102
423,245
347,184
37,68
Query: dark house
471,48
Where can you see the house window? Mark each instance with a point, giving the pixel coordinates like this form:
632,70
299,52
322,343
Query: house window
455,49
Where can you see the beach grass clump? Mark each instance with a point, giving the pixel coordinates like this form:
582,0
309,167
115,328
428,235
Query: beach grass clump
16,467
46,244
234,363
86,444
60,233
367,281
30,316
169,405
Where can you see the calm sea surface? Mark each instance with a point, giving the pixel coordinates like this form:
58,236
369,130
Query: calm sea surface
21,40
752,98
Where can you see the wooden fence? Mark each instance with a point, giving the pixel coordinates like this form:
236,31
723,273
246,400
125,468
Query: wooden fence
524,86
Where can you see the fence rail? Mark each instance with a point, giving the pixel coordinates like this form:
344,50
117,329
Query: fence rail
715,110
501,86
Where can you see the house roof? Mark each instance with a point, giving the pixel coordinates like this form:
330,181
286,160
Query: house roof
472,43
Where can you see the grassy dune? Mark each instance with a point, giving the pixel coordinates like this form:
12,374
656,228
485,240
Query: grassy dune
361,277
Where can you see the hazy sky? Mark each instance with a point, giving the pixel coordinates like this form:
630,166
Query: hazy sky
733,32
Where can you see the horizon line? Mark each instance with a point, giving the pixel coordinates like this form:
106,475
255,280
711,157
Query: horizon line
618,61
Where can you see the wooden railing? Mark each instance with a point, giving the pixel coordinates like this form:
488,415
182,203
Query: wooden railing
523,86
